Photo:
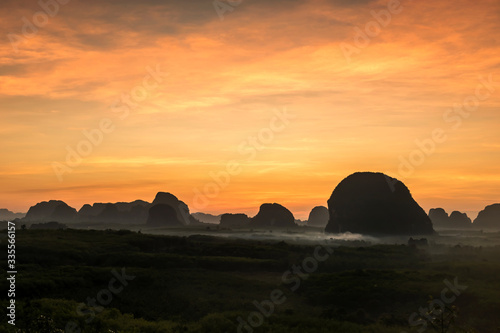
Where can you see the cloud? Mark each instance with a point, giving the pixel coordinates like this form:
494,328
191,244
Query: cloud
352,3
225,79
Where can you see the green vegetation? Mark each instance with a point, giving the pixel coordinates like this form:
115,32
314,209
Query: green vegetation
204,284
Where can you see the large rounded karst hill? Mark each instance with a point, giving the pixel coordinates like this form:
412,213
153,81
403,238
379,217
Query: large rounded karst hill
374,203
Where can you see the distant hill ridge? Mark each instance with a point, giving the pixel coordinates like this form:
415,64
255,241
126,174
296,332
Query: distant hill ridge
7,215
364,202
456,220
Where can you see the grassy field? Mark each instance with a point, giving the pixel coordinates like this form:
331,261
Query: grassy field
123,281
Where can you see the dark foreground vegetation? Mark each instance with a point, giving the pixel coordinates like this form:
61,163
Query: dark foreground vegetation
122,281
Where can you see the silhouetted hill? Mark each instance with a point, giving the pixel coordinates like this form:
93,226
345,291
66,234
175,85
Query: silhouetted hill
374,203
103,213
488,218
135,212
7,215
87,211
438,216
318,217
460,220
163,215
92,211
440,219
128,206
181,209
64,213
207,218
273,215
48,211
42,210
234,220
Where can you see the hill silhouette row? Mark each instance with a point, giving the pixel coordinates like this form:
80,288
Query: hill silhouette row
364,202
165,210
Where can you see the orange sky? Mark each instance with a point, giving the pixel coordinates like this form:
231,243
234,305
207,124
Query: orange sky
226,81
